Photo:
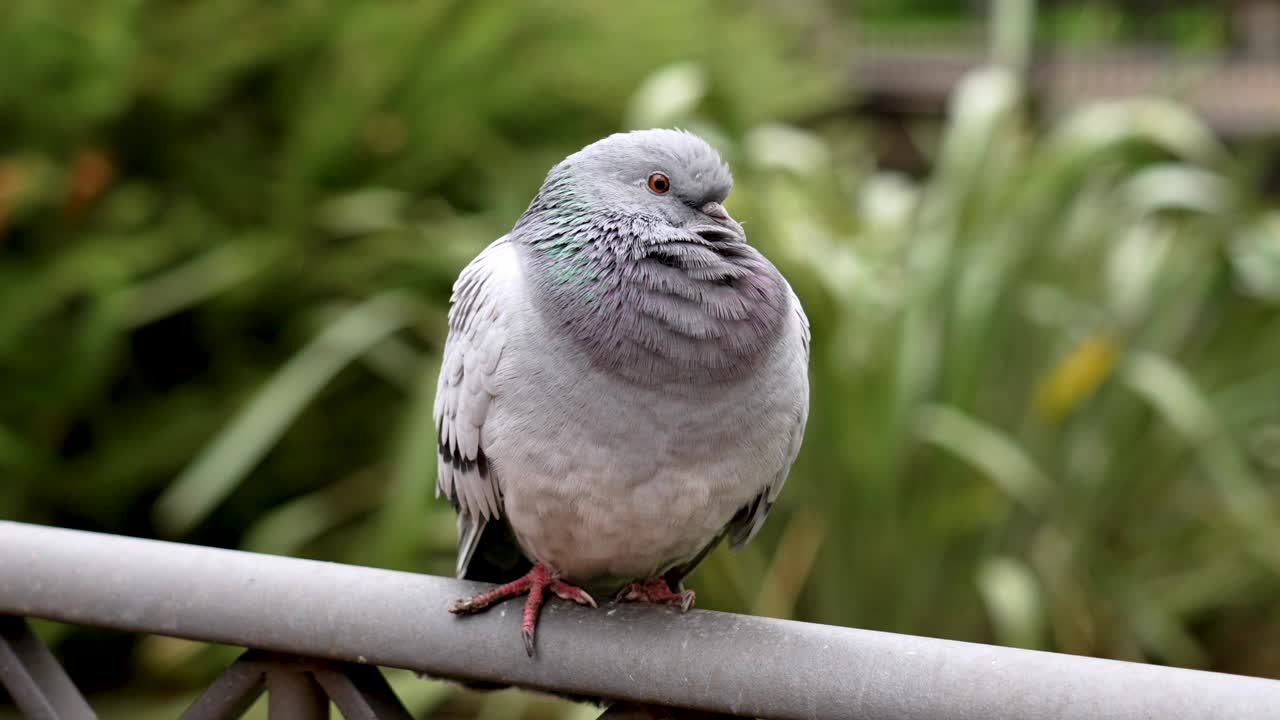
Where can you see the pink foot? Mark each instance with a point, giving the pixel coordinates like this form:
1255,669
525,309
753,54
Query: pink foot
535,583
656,590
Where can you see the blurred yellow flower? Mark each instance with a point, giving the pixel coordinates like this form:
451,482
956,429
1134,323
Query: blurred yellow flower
1076,376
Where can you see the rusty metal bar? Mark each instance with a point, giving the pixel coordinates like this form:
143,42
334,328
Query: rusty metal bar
704,660
36,682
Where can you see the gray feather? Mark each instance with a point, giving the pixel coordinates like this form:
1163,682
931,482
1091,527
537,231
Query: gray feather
745,525
478,323
625,378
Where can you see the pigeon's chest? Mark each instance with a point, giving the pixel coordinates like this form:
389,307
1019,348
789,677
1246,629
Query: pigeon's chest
601,477
601,433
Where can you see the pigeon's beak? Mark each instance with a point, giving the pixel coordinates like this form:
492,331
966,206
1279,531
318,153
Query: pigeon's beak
723,224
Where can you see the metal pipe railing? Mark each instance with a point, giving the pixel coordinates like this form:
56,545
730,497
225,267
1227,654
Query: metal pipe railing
715,661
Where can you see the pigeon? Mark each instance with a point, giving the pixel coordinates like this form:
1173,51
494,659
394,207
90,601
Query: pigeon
624,383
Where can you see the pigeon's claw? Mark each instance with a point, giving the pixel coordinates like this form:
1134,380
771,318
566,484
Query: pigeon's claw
655,590
535,583
475,604
572,593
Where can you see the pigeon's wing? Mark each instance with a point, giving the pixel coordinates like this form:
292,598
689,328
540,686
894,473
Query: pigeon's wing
479,319
746,523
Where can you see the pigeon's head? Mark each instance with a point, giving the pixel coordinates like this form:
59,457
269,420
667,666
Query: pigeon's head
670,182
630,250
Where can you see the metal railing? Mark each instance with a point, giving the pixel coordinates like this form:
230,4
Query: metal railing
317,628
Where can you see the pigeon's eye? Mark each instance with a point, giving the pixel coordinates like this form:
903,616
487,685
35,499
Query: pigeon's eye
659,184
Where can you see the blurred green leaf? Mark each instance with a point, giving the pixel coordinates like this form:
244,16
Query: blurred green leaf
1163,123
231,456
1012,596
667,96
998,456
1171,391
413,479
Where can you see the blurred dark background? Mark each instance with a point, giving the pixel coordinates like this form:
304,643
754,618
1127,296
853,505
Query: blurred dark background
1039,246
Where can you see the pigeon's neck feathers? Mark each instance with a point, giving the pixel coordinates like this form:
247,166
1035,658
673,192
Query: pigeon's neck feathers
646,300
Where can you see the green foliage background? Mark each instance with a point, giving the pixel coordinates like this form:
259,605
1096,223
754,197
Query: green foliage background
1046,378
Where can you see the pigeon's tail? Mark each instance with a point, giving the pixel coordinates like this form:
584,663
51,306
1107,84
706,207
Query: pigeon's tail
488,552
491,554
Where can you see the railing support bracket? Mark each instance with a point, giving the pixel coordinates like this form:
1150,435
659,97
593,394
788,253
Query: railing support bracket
298,689
36,682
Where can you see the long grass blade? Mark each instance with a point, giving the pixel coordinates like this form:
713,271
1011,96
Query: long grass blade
229,458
